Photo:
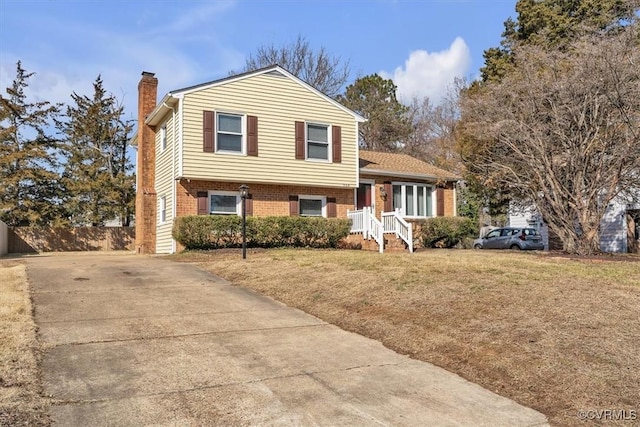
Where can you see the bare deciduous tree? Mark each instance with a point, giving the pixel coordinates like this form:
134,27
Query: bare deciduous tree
318,68
562,131
433,138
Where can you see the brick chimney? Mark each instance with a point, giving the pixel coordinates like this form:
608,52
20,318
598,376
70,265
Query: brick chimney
146,162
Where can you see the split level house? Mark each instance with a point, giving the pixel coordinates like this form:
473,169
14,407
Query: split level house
294,147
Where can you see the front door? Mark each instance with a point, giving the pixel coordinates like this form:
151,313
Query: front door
364,195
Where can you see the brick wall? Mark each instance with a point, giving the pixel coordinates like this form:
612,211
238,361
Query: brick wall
145,241
268,199
449,200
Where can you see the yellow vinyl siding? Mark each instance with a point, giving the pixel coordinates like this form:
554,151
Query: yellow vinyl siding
164,186
278,102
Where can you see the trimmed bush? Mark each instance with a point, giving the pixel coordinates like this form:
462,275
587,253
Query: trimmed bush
225,231
446,232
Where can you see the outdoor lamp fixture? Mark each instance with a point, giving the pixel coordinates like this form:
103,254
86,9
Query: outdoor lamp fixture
244,192
383,193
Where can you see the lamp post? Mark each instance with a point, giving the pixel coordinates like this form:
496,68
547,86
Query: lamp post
244,192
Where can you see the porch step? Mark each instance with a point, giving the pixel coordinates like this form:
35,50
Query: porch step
391,243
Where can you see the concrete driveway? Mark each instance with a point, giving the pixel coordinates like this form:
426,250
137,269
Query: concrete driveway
133,340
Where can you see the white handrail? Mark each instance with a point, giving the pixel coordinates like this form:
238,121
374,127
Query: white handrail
364,221
394,223
377,232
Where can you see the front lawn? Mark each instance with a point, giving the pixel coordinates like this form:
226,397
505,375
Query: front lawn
557,334
21,402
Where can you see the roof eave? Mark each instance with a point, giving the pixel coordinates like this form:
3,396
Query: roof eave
161,109
365,171
133,141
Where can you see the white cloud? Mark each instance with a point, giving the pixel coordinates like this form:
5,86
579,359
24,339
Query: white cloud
430,74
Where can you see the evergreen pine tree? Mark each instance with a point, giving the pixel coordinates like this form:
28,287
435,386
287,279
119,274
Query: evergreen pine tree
97,172
29,191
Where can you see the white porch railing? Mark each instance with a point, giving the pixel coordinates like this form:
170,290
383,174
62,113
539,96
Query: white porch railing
364,221
394,223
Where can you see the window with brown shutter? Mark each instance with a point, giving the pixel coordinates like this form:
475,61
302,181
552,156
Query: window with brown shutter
252,136
332,211
300,141
293,206
336,142
203,203
440,202
209,129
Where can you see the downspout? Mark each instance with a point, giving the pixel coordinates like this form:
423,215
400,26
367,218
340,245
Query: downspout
455,198
173,174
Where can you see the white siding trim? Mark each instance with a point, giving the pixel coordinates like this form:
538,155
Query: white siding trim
355,202
180,138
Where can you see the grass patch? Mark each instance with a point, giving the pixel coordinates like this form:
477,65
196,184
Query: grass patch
556,334
20,399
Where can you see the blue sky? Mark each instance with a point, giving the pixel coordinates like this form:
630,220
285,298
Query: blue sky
422,45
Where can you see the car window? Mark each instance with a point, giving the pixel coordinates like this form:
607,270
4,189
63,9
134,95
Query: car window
515,231
530,231
506,232
492,233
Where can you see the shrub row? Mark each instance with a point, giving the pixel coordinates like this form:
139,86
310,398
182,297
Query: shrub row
225,231
447,232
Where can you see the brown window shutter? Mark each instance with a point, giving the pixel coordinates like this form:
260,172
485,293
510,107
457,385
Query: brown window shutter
293,206
331,207
209,130
440,202
249,205
203,203
388,202
252,136
300,141
336,142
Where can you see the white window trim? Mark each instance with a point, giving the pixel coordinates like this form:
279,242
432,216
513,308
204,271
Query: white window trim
163,137
313,197
329,142
403,185
224,193
163,209
243,133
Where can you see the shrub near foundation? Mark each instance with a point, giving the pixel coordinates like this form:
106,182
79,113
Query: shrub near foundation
447,232
225,231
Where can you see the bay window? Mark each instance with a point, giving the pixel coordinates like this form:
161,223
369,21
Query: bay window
413,200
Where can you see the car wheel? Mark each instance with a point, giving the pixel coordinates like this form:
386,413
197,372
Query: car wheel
477,246
515,247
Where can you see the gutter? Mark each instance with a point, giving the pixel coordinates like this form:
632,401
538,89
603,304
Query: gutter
364,171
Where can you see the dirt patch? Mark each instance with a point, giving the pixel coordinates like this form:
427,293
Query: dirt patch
20,400
557,334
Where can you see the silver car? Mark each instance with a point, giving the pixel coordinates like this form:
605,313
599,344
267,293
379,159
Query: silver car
510,238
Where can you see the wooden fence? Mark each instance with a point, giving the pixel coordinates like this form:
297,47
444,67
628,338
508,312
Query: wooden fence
32,239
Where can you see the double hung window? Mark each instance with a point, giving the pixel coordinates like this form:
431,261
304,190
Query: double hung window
317,141
229,135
